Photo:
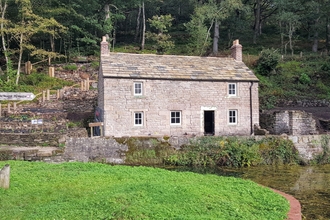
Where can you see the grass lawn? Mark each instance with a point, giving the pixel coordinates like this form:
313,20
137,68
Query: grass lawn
99,191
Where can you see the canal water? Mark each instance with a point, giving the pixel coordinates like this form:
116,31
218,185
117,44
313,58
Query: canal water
309,184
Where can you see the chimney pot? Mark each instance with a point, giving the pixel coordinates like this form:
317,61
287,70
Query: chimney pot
104,46
236,50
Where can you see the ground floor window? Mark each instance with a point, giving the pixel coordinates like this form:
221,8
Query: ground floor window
175,117
138,118
232,116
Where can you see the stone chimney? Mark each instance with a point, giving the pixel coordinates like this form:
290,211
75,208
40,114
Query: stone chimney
104,46
236,51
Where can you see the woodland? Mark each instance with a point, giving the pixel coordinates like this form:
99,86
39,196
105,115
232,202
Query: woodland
284,42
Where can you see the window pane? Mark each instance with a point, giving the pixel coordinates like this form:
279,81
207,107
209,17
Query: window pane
138,88
232,89
232,116
175,117
138,118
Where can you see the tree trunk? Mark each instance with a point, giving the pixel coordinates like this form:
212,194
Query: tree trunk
315,42
144,27
137,30
19,58
257,13
291,31
52,43
328,35
3,12
107,16
316,33
216,37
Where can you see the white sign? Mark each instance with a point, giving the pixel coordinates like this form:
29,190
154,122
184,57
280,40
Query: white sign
36,121
17,96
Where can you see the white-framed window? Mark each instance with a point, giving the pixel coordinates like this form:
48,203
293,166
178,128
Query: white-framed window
175,117
232,119
138,118
232,89
138,88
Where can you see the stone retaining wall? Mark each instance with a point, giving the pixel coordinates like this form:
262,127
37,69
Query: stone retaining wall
40,138
109,149
113,150
290,122
305,103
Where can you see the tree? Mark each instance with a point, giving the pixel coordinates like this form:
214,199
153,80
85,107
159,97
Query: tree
289,18
161,24
211,13
3,22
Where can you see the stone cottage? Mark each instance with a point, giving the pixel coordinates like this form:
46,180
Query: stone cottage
165,95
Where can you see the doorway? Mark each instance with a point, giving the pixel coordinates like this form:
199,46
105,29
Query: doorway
208,123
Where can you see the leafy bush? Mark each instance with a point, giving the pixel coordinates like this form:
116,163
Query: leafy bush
70,67
304,79
234,152
275,150
267,61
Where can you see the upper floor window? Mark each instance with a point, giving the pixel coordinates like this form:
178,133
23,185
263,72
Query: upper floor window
175,117
138,118
138,88
232,89
232,117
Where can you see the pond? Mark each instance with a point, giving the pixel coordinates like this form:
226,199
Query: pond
309,184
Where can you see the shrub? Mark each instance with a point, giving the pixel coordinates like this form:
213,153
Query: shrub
234,152
275,150
304,79
70,67
267,61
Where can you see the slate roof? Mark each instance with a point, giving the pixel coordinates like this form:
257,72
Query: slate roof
149,66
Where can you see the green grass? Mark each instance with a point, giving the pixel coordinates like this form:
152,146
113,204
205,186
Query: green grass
100,191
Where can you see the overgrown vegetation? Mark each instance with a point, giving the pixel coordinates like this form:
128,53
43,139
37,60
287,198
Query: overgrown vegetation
37,82
324,157
100,191
211,151
235,152
293,78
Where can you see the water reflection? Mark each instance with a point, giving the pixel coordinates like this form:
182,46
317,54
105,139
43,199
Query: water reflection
310,184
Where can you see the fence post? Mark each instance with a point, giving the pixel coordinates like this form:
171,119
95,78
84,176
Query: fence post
87,84
15,106
0,110
8,105
5,177
28,67
43,96
51,72
48,95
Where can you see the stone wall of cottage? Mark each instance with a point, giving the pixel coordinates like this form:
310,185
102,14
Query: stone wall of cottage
160,97
289,122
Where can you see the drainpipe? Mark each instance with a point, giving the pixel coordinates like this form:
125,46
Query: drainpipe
251,113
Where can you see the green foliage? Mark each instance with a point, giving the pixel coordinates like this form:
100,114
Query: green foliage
37,82
267,61
99,191
234,152
324,157
199,40
304,79
95,65
162,40
276,150
70,67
